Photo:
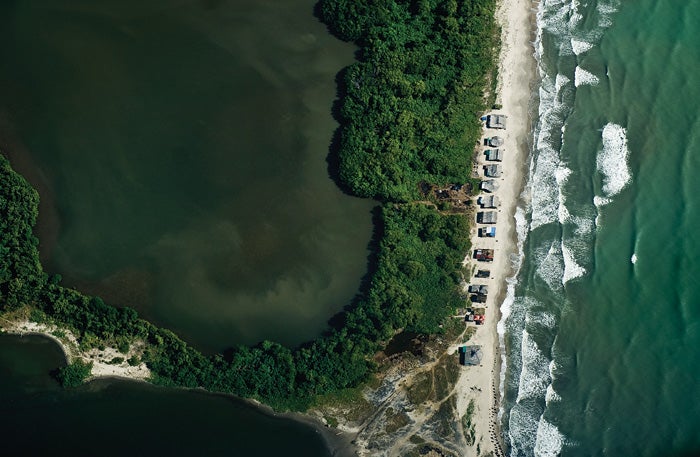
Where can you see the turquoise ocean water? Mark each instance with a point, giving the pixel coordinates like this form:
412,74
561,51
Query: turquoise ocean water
602,321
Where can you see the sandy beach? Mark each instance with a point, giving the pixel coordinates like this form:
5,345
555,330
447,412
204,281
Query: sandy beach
103,361
516,77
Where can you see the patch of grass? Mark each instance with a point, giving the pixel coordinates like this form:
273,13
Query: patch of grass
445,417
352,402
442,386
468,334
467,425
395,420
38,316
415,439
421,389
331,421
452,371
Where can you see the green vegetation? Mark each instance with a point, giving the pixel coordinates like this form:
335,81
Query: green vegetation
467,425
408,115
408,112
74,374
413,287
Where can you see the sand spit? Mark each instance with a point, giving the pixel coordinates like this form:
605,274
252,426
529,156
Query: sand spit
105,363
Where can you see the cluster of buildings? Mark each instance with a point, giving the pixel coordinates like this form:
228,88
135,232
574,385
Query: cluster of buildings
486,219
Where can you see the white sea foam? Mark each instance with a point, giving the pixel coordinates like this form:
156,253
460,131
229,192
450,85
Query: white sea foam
541,318
574,28
580,46
547,173
599,201
521,229
584,77
551,268
522,431
551,395
534,375
549,441
572,270
612,160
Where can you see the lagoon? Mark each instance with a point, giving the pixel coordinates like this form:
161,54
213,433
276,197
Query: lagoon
180,154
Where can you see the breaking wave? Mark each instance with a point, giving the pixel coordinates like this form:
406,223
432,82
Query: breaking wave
584,77
612,160
549,440
563,229
580,46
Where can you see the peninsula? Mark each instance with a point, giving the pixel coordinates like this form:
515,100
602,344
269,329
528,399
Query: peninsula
409,137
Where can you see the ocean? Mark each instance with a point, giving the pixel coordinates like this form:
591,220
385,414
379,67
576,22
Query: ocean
601,324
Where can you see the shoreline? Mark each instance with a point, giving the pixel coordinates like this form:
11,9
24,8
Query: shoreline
101,368
516,76
339,443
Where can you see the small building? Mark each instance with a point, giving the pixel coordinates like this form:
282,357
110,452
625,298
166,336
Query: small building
494,155
494,141
488,232
486,217
470,355
478,298
482,273
479,319
483,255
490,185
482,289
488,201
492,171
496,121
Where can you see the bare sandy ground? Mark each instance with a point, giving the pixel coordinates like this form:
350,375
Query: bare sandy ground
100,359
516,76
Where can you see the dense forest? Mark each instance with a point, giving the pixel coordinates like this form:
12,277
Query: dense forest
408,110
408,115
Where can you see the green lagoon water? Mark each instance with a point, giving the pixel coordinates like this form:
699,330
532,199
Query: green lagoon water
179,149
603,325
180,152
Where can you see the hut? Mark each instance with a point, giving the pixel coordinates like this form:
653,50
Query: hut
494,141
486,217
474,288
470,355
489,185
478,298
496,121
483,255
483,273
492,171
494,155
488,201
488,232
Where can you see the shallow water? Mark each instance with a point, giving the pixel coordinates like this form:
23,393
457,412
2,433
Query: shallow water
179,149
603,333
